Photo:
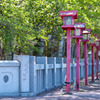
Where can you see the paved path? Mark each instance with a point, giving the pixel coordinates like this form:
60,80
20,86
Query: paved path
90,92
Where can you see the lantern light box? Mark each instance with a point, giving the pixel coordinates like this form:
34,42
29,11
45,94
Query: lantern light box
67,20
99,53
78,30
97,42
86,33
95,35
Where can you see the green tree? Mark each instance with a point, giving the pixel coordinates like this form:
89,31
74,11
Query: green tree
24,22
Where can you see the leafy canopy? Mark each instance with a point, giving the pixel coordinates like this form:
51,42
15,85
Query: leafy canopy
24,22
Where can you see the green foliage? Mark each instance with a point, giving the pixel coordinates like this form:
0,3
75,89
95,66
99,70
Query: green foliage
24,22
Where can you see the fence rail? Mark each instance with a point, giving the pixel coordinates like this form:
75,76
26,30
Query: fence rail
49,72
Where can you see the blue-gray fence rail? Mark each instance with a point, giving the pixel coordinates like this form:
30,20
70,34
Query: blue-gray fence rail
49,72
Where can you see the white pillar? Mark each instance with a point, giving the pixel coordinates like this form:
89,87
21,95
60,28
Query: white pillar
24,72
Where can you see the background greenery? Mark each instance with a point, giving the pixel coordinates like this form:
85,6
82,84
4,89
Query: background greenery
24,23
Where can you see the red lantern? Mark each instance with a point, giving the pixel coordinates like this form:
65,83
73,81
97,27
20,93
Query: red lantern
68,18
78,30
85,34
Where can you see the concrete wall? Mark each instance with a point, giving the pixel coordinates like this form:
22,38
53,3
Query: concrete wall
9,78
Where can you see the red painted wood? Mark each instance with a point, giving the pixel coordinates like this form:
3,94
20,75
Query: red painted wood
64,27
77,65
92,48
80,37
68,60
97,63
69,13
85,61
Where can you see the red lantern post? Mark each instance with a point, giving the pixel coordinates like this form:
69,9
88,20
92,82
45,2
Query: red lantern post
97,44
92,44
85,39
78,35
68,18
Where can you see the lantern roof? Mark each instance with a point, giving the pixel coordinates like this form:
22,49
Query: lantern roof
69,13
98,39
80,25
89,53
95,35
87,31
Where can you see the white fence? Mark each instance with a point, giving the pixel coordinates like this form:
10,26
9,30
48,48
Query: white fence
49,72
38,74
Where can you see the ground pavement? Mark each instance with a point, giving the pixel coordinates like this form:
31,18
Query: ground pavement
90,92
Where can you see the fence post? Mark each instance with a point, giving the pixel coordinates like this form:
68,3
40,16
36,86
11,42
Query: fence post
54,64
24,72
62,72
70,71
74,75
95,69
32,62
99,66
46,73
